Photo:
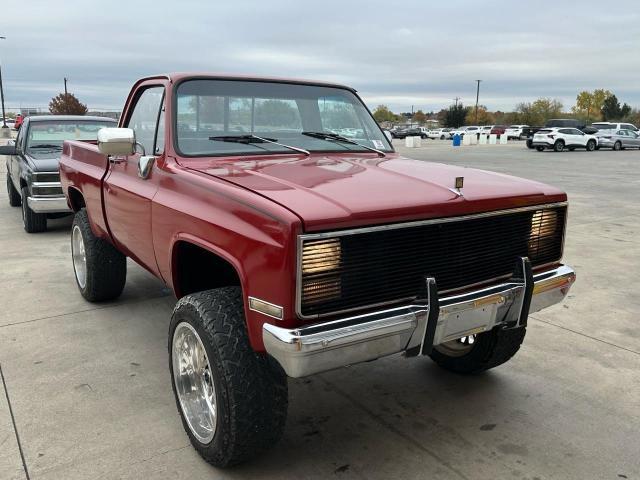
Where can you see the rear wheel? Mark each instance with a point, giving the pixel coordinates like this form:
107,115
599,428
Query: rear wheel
232,400
591,145
477,353
14,195
617,146
33,222
442,137
559,146
101,270
540,149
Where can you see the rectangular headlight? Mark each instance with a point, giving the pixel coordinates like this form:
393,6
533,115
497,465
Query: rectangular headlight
320,270
544,231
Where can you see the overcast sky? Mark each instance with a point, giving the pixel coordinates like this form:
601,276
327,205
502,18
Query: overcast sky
405,53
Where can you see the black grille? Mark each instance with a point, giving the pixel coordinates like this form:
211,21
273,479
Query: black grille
46,177
362,269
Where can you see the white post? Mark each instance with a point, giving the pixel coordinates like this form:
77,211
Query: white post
492,139
483,139
503,139
466,140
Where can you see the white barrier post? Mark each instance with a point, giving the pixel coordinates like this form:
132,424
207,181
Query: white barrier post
466,140
492,139
474,139
482,140
408,142
417,142
503,139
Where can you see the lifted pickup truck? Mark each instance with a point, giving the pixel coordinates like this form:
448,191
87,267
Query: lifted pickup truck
295,250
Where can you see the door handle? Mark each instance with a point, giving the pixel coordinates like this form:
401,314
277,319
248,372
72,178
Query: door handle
116,160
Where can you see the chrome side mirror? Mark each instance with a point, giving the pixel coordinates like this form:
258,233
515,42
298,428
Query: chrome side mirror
8,150
145,164
116,141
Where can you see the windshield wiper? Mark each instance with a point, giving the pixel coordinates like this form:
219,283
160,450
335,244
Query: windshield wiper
47,145
334,137
253,139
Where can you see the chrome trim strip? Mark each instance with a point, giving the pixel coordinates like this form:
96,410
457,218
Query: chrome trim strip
394,226
324,346
418,223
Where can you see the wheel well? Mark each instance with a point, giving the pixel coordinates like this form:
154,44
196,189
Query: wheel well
23,183
76,199
197,269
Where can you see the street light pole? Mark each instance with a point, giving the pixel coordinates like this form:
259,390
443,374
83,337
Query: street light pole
477,97
65,86
4,119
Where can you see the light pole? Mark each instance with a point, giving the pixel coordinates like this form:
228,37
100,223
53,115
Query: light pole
4,119
477,97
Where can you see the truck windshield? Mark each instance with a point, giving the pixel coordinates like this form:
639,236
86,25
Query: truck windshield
50,135
279,111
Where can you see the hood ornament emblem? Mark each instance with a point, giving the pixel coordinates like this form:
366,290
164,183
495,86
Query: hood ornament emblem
458,186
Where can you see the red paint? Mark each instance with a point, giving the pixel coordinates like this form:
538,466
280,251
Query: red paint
250,209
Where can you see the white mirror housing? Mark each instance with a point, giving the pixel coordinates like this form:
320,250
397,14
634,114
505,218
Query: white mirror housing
116,141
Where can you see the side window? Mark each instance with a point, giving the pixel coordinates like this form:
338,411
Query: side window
565,131
144,118
19,138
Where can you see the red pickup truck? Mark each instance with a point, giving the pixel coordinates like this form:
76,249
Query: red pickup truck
297,241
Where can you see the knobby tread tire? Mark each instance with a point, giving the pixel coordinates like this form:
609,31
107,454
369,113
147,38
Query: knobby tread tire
33,222
490,350
251,389
14,195
106,266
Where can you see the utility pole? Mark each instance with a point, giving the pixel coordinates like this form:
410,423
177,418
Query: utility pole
477,97
65,86
4,119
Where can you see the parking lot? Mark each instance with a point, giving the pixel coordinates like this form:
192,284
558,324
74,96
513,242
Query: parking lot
87,394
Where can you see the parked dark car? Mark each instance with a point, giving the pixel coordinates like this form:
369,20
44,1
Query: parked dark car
411,132
528,133
565,123
498,130
33,180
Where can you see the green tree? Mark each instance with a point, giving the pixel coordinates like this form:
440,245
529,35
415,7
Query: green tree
383,114
611,109
538,112
67,104
419,117
484,117
625,110
455,115
589,104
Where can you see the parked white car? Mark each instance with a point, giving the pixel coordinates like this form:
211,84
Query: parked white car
440,133
514,131
486,130
560,139
462,131
618,139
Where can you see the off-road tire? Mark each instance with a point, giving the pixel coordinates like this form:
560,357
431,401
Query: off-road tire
591,145
540,149
106,267
489,350
14,196
32,222
558,146
617,146
251,388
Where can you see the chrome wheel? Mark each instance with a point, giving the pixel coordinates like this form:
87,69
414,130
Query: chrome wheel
79,256
457,348
193,382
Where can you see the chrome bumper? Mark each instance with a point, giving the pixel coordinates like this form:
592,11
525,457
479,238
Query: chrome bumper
416,328
48,204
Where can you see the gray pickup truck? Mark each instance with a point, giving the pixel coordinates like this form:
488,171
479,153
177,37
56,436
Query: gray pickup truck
33,180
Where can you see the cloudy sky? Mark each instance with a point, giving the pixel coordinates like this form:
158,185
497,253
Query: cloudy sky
406,53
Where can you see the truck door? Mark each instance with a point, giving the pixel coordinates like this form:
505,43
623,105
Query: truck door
127,196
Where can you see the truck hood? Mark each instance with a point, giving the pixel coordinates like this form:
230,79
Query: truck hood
329,191
46,161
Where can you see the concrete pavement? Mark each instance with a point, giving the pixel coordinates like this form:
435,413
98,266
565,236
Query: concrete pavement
90,392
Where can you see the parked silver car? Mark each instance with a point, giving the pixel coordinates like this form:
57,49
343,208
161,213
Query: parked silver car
618,139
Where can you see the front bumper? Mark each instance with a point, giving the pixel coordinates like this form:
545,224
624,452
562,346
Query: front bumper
419,327
48,204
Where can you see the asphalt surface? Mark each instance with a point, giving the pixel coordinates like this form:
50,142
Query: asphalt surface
86,393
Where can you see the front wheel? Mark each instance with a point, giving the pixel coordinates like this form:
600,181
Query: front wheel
477,353
31,221
101,270
540,149
617,146
591,145
14,196
232,400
